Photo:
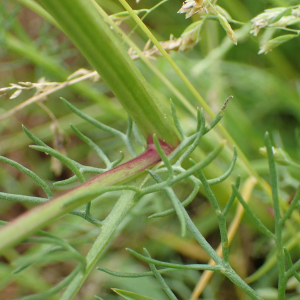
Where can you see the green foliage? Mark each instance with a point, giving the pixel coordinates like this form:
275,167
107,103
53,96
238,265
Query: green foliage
181,181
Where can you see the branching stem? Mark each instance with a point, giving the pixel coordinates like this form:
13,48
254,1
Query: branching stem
40,216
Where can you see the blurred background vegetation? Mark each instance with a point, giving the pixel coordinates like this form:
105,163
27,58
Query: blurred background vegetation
266,90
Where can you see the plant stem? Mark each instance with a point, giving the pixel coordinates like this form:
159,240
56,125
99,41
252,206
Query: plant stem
227,270
109,226
243,32
99,44
220,216
167,57
42,215
277,218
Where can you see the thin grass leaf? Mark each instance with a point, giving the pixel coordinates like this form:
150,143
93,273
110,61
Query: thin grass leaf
186,173
154,176
200,165
228,172
66,181
198,185
29,173
137,135
129,128
232,197
22,198
278,224
135,275
67,161
127,140
255,219
221,218
83,169
91,170
210,195
210,181
200,117
290,263
33,137
201,267
218,117
163,156
73,165
176,203
175,266
128,135
274,180
292,269
198,136
117,161
92,120
186,202
171,195
223,176
101,126
91,144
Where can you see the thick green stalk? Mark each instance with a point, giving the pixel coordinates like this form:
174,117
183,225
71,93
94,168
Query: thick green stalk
93,37
99,44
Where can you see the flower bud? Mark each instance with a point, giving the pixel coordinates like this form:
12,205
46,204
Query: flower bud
227,28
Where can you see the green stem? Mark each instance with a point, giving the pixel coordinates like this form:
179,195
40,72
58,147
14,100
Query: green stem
109,226
42,215
161,271
167,57
236,279
292,270
243,32
226,270
98,43
149,64
278,224
220,216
